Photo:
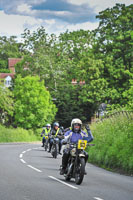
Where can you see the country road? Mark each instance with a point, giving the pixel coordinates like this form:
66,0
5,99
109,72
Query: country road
27,172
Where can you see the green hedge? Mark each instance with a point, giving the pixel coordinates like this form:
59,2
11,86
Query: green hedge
113,148
18,135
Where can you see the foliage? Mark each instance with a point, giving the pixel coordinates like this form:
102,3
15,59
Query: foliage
17,135
33,105
129,96
9,48
102,59
113,45
5,71
113,140
6,105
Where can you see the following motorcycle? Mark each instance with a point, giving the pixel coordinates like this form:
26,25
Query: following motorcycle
54,149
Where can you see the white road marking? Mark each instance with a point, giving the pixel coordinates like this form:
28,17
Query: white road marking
24,152
63,182
21,155
28,149
34,168
22,161
97,198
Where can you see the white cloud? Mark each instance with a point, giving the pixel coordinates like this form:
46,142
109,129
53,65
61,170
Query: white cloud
15,24
85,26
59,27
53,21
100,5
78,2
25,9
50,22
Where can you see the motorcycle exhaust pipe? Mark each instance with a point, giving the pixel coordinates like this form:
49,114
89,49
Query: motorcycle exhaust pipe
69,169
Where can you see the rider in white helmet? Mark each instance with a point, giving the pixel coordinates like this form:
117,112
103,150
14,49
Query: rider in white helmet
73,136
45,132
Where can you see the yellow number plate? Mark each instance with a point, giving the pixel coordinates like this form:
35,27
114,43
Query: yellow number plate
82,144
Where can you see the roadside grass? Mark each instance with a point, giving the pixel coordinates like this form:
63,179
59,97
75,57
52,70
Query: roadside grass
113,139
18,135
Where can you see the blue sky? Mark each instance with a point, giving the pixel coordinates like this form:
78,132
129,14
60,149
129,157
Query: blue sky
55,15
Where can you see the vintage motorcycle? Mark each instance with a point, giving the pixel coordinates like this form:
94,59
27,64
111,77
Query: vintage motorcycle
76,162
54,149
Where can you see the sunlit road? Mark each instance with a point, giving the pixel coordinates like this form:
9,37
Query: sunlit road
27,172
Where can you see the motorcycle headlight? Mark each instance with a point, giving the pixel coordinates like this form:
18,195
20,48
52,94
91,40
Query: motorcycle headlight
73,152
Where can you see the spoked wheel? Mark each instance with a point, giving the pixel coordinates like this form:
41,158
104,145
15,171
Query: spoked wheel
80,170
67,178
55,151
45,147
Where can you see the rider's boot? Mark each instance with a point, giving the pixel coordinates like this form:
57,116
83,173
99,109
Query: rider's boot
42,144
62,170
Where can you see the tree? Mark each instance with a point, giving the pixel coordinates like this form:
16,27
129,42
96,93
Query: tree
84,67
128,94
6,106
9,48
113,45
33,105
42,58
57,62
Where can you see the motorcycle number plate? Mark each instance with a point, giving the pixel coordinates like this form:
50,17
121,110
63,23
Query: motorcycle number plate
82,144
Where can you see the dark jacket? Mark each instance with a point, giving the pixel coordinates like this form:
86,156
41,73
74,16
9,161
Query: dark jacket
58,133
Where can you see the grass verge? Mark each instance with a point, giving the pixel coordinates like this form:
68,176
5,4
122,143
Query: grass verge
113,139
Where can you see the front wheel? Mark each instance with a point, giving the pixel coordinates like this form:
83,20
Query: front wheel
55,151
80,171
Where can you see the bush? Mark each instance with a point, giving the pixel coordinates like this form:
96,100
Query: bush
113,140
17,135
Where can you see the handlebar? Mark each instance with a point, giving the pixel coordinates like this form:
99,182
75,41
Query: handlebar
90,144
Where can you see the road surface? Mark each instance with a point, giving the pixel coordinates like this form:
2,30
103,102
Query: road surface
27,172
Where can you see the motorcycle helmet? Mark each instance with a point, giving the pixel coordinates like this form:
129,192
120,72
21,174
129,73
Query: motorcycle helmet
76,125
48,125
56,124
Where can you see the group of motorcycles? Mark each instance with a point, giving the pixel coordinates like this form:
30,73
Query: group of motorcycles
76,163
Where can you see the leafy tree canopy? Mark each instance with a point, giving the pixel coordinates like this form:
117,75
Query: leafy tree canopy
6,105
9,48
33,105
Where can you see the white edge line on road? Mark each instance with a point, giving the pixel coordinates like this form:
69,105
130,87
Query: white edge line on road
21,155
22,161
97,198
63,182
34,168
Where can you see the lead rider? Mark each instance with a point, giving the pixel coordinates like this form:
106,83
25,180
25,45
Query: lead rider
72,136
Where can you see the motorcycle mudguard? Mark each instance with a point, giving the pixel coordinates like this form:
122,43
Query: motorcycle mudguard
81,155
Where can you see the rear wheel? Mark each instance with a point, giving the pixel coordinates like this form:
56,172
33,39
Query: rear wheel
45,147
67,178
80,171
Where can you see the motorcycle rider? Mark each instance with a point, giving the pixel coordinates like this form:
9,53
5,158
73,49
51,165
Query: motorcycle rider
73,136
55,131
45,132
